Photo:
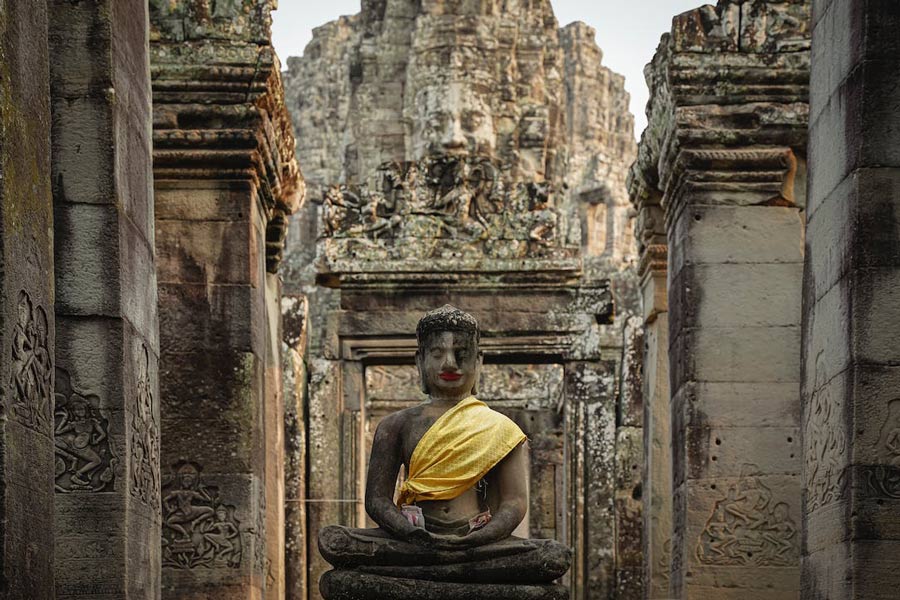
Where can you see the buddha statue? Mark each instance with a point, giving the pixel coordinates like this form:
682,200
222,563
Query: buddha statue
448,535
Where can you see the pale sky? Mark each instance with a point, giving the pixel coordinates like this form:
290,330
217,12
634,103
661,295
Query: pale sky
628,32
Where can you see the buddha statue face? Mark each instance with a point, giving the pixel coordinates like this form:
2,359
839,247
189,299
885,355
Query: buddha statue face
448,357
452,119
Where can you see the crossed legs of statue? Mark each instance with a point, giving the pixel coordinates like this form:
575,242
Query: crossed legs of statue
369,563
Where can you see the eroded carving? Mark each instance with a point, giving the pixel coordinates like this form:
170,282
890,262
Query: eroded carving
748,528
30,389
144,457
85,461
882,481
199,529
826,443
415,209
526,386
194,19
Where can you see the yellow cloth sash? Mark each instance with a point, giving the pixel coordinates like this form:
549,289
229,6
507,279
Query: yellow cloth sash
458,450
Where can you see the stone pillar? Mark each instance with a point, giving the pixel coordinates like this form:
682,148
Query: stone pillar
26,306
107,346
225,179
294,309
726,146
851,323
628,460
657,426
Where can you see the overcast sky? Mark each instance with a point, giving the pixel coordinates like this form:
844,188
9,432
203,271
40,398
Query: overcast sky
627,30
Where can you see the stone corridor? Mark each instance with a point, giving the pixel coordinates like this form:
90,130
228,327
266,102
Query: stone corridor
696,331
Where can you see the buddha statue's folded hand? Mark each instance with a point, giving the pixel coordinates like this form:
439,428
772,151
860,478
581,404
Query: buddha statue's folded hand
420,536
452,542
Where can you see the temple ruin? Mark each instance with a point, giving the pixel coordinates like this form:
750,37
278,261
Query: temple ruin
697,332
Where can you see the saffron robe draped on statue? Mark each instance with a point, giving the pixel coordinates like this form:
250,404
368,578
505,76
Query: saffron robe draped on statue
458,450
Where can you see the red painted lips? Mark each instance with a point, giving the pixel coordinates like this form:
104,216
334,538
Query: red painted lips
450,376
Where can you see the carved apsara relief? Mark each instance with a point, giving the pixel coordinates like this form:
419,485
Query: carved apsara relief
448,205
85,461
199,528
748,528
144,456
826,443
30,389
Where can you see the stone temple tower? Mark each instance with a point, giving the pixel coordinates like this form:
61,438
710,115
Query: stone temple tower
471,152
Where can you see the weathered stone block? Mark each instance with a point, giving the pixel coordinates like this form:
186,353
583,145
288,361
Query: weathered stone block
739,405
738,295
86,254
826,341
721,354
197,317
215,252
82,130
731,234
722,452
855,112
206,200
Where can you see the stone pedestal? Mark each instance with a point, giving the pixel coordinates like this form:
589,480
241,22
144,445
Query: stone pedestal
26,306
225,180
106,412
725,153
851,321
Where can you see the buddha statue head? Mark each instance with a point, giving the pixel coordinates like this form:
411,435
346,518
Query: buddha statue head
448,356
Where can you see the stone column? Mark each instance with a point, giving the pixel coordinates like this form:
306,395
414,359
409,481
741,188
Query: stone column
851,321
657,429
106,414
725,149
26,306
225,179
296,315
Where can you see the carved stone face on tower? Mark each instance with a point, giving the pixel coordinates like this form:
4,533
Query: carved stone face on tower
452,119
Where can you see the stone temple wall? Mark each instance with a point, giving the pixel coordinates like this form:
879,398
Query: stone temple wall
720,188
225,180
472,153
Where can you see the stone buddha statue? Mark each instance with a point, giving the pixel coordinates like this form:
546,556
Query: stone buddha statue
448,535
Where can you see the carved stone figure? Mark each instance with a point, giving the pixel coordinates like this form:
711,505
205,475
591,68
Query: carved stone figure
84,457
825,454
464,492
199,530
748,528
31,383
144,440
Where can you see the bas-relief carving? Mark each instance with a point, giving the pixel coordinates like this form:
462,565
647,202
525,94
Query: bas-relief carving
144,456
748,528
532,387
85,461
445,207
826,443
199,528
888,445
663,564
179,20
882,480
30,388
